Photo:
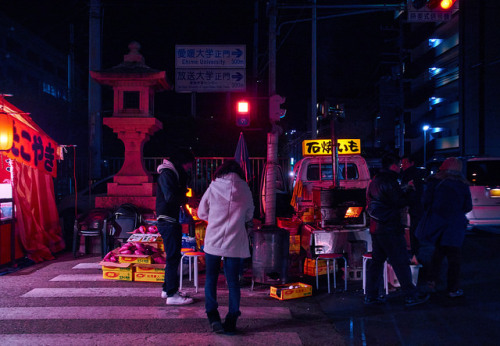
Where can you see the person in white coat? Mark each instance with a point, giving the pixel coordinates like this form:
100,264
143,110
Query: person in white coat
228,207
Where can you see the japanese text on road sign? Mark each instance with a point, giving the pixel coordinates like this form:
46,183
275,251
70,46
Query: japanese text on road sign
210,56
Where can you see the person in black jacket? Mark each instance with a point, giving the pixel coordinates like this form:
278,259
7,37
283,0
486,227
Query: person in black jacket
412,182
385,200
170,198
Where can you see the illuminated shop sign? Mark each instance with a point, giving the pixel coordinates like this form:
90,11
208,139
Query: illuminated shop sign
317,147
33,148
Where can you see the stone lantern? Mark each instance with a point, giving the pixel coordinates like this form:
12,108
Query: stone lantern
134,85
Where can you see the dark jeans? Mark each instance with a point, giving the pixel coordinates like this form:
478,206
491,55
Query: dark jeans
414,244
392,248
172,240
453,254
232,267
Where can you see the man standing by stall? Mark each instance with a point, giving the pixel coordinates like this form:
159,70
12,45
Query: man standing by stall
412,182
385,200
170,198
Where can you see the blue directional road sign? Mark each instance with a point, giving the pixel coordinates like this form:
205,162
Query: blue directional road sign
210,80
210,68
210,56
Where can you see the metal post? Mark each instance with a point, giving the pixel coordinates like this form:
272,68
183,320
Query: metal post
94,102
193,104
314,96
425,148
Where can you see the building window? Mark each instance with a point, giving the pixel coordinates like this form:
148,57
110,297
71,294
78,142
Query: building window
52,90
434,101
434,42
433,71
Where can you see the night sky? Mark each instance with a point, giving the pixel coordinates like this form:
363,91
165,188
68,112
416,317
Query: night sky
350,53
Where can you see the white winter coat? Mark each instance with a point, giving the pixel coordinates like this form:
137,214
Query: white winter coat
227,205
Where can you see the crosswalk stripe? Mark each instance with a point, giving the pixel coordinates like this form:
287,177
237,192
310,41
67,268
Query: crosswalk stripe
87,266
139,312
79,277
55,292
174,339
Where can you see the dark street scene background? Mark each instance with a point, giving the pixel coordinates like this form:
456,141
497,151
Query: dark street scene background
403,77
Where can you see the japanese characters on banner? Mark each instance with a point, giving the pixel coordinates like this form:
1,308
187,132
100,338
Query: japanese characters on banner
316,147
34,149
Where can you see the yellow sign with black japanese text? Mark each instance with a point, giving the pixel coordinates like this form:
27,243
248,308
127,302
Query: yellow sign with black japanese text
317,147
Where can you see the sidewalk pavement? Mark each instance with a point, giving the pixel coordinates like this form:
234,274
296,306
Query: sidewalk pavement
323,319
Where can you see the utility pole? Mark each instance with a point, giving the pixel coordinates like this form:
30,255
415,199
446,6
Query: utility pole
272,137
314,78
94,101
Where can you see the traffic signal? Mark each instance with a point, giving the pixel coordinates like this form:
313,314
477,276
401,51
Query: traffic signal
276,110
331,111
431,10
336,111
433,4
440,4
243,113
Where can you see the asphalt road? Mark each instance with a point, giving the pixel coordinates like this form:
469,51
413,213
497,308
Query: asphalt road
469,320
66,301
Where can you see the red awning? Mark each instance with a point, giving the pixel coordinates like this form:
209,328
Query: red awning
32,146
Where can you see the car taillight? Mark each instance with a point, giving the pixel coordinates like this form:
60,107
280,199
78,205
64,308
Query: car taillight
494,193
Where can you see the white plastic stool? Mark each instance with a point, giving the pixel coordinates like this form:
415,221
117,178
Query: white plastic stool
331,257
366,257
191,255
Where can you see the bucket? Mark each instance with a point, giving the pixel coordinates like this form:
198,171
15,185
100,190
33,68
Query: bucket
393,280
415,269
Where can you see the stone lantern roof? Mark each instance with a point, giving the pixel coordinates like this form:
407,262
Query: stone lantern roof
133,67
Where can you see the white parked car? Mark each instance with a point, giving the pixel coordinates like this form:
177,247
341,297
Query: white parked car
483,173
484,176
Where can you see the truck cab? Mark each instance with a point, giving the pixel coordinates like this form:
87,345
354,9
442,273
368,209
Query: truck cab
314,188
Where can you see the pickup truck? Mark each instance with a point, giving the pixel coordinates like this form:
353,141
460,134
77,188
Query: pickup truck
333,212
313,187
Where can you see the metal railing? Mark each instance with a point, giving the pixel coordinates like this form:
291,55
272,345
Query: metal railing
203,172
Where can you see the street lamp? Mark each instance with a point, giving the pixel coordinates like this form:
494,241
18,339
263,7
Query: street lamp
425,128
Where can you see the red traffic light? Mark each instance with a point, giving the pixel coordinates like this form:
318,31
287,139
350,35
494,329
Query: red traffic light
441,4
243,113
447,4
243,107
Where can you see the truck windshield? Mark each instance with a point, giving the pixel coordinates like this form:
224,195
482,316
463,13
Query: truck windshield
317,172
484,173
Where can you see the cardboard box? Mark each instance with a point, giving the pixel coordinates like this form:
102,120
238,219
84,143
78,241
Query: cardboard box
310,267
291,291
144,259
294,244
291,225
149,277
117,271
149,268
